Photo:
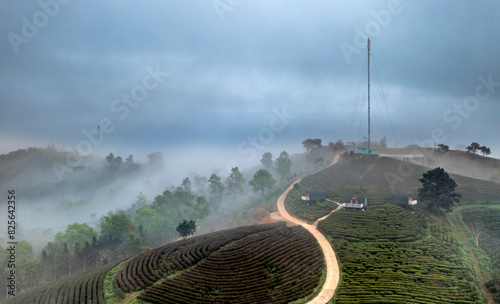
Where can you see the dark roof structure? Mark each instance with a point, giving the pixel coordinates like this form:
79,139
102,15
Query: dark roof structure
317,195
399,198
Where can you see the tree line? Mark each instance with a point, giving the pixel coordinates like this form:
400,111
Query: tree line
145,225
475,147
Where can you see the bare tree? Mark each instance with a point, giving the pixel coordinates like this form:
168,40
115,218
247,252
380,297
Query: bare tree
477,227
103,256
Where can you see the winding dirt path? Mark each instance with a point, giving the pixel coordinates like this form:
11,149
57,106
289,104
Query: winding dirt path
332,267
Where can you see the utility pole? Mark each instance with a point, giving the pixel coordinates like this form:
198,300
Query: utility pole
351,142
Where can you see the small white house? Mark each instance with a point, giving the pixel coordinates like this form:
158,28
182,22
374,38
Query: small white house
355,202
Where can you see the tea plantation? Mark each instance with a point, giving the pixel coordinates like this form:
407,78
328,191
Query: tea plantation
484,224
390,253
253,264
87,287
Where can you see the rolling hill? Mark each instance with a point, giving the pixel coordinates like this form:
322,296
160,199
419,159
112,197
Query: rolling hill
254,264
391,253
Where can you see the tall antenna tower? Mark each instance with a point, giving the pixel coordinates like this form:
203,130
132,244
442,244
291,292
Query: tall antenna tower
368,45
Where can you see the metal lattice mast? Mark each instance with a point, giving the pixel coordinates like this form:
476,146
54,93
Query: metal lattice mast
368,44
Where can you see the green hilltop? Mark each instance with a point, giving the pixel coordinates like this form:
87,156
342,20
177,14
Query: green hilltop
402,254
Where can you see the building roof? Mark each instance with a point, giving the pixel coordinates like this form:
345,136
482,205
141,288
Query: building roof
317,195
364,150
399,198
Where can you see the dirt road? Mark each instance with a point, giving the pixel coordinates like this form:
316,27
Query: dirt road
332,267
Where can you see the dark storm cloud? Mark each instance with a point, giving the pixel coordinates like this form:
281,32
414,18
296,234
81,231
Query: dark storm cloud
226,77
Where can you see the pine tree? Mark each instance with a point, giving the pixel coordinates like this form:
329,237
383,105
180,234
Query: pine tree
186,228
438,190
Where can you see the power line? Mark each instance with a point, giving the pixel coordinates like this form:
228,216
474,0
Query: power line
384,100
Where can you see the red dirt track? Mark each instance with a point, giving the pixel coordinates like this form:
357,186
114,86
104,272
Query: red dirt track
332,267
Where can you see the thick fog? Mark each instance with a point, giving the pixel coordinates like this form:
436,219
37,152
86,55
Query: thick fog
47,204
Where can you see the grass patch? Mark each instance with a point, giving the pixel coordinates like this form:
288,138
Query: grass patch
110,295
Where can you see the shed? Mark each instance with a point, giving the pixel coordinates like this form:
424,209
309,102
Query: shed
364,150
355,202
315,195
401,199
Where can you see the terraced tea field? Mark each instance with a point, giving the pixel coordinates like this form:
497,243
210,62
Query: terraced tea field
376,178
486,221
361,174
262,264
87,287
483,222
389,253
254,264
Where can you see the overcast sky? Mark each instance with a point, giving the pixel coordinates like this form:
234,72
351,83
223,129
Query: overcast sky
277,71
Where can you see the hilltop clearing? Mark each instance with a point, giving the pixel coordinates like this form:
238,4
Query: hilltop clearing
454,161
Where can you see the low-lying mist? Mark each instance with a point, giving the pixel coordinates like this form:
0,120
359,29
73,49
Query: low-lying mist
46,205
